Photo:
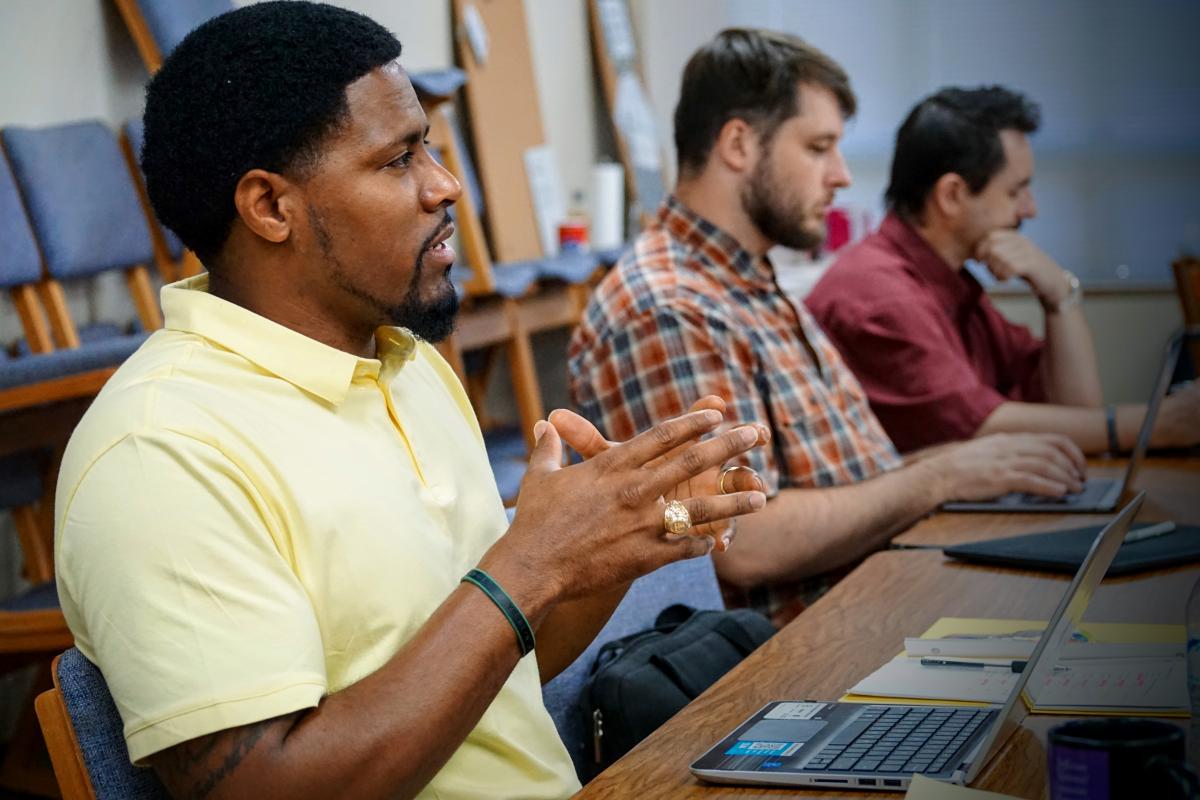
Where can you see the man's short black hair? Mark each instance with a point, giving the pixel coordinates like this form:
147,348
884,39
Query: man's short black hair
956,130
751,75
256,88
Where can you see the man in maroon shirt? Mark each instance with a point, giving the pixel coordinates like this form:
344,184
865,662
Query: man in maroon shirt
937,360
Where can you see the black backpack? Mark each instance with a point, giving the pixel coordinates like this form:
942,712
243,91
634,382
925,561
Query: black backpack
639,681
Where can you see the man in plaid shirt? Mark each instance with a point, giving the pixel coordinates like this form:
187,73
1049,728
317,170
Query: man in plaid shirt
694,309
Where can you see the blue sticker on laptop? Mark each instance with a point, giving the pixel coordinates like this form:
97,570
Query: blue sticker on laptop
747,748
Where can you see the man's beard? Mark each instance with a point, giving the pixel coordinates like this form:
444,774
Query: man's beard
431,320
766,205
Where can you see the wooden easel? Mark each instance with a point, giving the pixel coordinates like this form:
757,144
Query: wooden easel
505,119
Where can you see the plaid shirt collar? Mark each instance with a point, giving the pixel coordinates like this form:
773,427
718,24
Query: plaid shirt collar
721,253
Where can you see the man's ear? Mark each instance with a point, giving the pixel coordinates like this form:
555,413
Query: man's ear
267,204
949,196
737,146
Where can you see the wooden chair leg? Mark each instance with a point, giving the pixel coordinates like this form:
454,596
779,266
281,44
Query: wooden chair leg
189,265
43,526
33,319
36,547
477,385
452,352
140,31
523,369
578,296
144,299
61,324
26,765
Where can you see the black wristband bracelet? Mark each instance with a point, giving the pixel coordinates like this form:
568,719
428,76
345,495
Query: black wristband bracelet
1110,420
508,608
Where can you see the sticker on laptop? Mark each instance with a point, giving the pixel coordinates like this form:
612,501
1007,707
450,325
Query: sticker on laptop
795,711
749,748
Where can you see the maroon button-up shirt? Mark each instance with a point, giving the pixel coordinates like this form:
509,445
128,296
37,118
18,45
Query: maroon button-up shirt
934,355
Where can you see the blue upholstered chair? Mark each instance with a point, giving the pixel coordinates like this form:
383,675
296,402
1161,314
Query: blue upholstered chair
41,374
692,582
157,26
83,732
61,375
86,216
20,264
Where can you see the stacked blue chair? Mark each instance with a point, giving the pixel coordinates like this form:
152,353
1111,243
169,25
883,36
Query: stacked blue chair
20,264
692,582
86,216
158,26
41,376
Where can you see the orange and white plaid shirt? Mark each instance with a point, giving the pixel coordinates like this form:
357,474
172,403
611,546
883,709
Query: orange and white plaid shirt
688,312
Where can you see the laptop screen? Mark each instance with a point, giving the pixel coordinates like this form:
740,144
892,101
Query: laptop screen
1161,385
1063,622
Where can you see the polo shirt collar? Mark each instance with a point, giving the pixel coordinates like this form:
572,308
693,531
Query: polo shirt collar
953,288
316,368
717,248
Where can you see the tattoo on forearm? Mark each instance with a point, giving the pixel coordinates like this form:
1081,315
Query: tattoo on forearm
193,769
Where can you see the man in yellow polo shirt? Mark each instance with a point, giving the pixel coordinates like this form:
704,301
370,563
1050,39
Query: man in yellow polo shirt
277,531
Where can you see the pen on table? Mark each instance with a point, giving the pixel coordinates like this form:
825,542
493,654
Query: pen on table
1150,531
1007,666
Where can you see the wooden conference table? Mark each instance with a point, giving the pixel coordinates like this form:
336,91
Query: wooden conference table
862,623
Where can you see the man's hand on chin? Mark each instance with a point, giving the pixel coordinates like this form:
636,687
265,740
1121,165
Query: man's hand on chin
1009,254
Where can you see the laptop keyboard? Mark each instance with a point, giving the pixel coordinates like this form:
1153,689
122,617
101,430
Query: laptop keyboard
1043,500
1092,492
892,739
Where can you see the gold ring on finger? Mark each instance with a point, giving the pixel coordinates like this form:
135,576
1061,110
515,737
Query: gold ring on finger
726,471
676,518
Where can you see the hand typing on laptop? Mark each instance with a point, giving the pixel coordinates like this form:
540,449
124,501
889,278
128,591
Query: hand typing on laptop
1047,465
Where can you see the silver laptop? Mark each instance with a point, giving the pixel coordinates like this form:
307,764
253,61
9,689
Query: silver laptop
881,746
1099,495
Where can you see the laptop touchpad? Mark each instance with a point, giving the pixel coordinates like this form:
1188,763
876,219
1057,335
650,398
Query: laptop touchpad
783,730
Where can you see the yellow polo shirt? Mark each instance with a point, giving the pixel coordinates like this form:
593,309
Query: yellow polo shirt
249,520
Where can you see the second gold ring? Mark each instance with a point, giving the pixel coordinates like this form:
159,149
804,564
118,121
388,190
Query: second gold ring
721,480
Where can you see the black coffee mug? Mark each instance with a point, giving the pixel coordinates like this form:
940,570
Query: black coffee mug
1119,758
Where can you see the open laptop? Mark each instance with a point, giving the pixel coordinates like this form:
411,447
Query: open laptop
881,746
1099,495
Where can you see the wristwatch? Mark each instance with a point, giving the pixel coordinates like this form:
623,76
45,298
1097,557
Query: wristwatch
1074,295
